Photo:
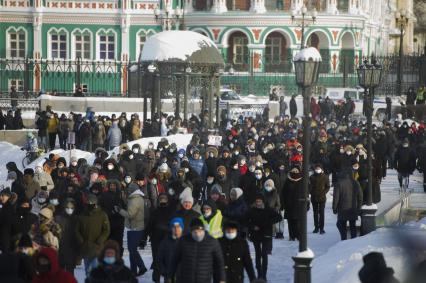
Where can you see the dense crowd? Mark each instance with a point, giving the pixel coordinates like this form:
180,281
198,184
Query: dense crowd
198,206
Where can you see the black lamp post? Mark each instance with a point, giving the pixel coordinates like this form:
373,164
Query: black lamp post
168,17
306,65
369,76
303,24
401,21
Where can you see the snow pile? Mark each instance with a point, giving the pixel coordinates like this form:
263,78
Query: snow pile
343,261
174,45
9,152
308,54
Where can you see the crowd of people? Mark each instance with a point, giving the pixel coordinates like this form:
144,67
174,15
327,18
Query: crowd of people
198,206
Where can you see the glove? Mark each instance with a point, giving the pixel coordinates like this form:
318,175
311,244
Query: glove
117,209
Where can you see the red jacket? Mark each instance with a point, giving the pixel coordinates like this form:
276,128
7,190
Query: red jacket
56,274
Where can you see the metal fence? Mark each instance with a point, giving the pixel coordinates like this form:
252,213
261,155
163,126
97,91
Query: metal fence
258,76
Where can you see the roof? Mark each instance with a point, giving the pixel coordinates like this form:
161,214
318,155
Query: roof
181,46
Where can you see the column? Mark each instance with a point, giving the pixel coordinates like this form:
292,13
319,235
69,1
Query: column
124,58
37,50
296,5
187,8
219,6
354,6
257,6
332,7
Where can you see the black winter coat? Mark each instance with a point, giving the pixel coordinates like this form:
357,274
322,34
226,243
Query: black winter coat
347,198
236,255
262,218
107,201
236,210
405,160
116,273
166,252
68,249
187,216
319,185
198,262
158,225
291,192
7,212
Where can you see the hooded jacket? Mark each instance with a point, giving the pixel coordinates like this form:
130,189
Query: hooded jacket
114,135
55,274
213,223
135,213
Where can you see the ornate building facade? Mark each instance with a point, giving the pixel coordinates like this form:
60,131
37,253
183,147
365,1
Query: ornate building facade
254,36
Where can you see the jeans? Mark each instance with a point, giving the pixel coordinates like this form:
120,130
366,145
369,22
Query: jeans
293,229
262,249
401,176
42,143
90,264
341,225
52,140
133,240
318,212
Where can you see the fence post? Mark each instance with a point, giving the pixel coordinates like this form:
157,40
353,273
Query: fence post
345,71
78,72
26,76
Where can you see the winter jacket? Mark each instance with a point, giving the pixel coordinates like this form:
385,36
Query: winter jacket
166,253
199,166
7,212
44,180
196,262
187,216
99,135
92,230
272,199
115,273
11,269
114,136
136,130
22,222
347,198
236,210
158,225
405,160
52,125
31,189
68,248
237,257
293,107
55,274
319,185
263,218
135,213
291,194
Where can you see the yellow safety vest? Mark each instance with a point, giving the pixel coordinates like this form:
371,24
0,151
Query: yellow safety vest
214,227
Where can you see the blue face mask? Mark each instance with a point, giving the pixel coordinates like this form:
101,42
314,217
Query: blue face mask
109,260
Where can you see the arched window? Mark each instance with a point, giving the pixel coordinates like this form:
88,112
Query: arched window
16,43
142,36
81,44
106,44
58,44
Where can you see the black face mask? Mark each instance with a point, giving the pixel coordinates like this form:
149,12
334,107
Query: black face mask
91,207
295,175
163,204
43,268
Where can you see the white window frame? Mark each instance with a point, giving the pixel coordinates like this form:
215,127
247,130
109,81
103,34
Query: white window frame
103,32
274,42
9,32
236,45
17,83
84,32
55,31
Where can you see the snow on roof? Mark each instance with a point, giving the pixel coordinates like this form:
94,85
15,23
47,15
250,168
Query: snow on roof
174,44
307,54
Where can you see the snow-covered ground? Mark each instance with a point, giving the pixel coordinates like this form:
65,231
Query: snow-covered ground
334,261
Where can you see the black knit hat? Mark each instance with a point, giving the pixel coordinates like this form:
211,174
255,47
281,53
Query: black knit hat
196,223
25,241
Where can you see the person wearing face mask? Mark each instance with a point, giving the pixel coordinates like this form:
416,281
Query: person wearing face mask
255,187
197,163
42,178
23,220
336,160
272,199
114,196
260,220
48,269
186,210
111,266
31,186
111,170
25,253
204,265
212,219
211,159
128,163
46,232
92,231
248,179
157,229
242,164
67,220
237,209
225,159
236,254
404,162
114,135
61,163
349,157
223,180
167,248
319,185
291,205
234,173
39,202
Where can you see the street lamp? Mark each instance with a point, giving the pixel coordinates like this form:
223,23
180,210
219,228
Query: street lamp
306,64
167,18
401,21
369,77
302,24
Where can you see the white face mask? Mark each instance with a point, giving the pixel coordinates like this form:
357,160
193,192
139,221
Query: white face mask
128,180
198,237
210,180
186,170
318,171
69,211
54,201
110,166
135,150
235,166
258,176
41,200
231,236
405,145
268,188
150,146
131,156
348,152
180,155
154,181
242,162
60,166
236,153
252,168
355,168
258,164
341,150
171,192
207,214
38,170
74,163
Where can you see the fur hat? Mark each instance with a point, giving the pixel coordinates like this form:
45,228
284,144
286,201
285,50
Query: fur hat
269,183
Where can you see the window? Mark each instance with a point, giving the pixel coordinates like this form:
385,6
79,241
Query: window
58,46
82,46
343,5
107,46
17,44
18,84
273,50
240,50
